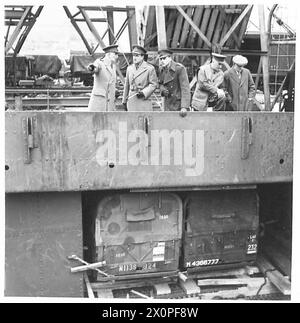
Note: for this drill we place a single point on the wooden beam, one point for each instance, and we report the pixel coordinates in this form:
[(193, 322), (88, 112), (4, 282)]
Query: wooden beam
[(235, 25), (88, 286), (244, 27), (196, 19), (17, 30), (208, 21), (161, 27), (170, 24), (265, 59), (185, 28), (176, 31), (228, 24), (190, 21), (281, 282)]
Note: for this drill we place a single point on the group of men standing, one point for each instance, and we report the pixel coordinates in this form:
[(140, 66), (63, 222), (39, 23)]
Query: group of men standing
[(215, 90)]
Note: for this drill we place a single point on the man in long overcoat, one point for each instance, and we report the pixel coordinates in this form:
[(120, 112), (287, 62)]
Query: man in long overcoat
[(173, 82), (140, 83), (104, 88), (239, 84), (208, 91)]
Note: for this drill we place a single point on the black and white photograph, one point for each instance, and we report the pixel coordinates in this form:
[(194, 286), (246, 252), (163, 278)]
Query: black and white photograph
[(149, 154)]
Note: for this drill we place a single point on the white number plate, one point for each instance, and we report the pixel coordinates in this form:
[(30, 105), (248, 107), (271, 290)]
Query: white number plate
[(203, 262), (133, 267), (252, 248)]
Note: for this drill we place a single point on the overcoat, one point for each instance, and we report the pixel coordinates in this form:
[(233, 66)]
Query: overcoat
[(143, 78), (208, 82), (175, 80), (240, 89), (103, 93)]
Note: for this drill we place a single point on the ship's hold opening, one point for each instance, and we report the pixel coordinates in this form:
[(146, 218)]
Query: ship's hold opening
[(151, 233)]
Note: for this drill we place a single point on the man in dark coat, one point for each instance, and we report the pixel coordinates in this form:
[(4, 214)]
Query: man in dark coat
[(239, 84), (140, 82), (173, 82), (104, 89)]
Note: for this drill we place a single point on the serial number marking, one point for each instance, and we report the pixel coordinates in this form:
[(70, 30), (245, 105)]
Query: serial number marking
[(252, 248), (133, 267), (203, 262)]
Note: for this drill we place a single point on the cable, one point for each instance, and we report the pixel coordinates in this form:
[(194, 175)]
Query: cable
[(265, 280)]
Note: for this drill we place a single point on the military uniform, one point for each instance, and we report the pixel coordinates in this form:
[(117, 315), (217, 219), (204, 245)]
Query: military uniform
[(174, 79), (103, 93), (142, 79), (207, 85)]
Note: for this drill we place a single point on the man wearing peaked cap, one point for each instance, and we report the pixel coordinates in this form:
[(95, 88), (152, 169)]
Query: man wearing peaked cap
[(209, 91), (173, 82), (104, 88), (239, 84), (140, 82), (111, 49)]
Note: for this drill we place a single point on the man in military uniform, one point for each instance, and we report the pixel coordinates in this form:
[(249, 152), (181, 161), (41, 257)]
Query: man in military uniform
[(140, 82), (173, 82), (239, 84), (209, 92), (104, 89)]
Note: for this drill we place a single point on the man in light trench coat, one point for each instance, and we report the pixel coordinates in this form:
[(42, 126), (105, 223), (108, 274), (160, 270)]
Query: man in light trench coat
[(104, 89), (140, 83)]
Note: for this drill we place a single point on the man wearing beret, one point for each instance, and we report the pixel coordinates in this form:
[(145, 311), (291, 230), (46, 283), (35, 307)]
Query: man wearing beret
[(104, 89), (140, 82), (209, 92), (173, 82), (239, 84)]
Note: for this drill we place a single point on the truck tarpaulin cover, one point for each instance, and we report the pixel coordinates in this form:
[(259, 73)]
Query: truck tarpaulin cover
[(47, 64), (79, 63)]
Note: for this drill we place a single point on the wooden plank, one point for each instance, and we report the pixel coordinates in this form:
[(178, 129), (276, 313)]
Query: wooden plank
[(161, 27), (235, 25), (88, 286), (104, 293), (170, 25), (176, 31), (162, 289), (185, 28), (204, 27), (190, 21), (197, 19), (281, 282), (219, 273), (228, 23), (230, 281), (212, 22), (265, 58), (189, 286), (244, 25), (219, 26)]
